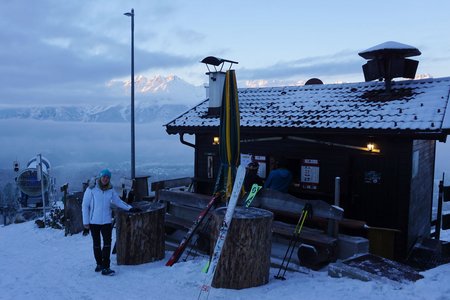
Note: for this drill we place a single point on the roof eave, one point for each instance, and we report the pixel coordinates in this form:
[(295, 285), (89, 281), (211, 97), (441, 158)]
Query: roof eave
[(440, 135)]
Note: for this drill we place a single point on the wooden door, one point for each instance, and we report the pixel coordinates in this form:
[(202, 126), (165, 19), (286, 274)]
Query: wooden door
[(369, 191)]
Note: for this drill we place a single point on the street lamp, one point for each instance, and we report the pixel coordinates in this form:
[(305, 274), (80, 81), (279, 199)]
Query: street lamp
[(133, 162)]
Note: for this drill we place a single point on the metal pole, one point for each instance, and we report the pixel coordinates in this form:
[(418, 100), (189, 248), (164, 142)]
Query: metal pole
[(133, 161), (333, 226), (337, 191), (42, 186)]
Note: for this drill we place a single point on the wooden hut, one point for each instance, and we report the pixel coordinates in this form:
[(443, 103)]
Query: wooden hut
[(381, 143)]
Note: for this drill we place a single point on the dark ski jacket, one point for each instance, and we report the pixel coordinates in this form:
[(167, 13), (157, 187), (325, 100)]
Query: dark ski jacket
[(279, 179)]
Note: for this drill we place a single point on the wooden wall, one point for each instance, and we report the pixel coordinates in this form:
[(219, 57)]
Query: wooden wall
[(398, 200)]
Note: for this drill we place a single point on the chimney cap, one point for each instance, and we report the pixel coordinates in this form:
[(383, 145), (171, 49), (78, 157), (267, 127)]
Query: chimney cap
[(216, 61), (390, 48)]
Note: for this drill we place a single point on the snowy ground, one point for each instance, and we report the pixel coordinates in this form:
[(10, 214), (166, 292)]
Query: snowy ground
[(44, 264)]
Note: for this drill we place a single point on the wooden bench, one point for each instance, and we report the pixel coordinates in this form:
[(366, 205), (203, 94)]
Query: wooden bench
[(315, 249), (179, 184)]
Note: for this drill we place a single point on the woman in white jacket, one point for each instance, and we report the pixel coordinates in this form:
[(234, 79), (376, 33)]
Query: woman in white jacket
[(97, 218)]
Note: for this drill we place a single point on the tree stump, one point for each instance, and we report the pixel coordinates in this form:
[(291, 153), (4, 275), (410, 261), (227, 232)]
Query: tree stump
[(140, 236), (245, 258)]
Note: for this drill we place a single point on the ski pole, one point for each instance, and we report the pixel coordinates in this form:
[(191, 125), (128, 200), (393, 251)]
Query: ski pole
[(291, 245), (293, 241), (296, 240), (194, 246)]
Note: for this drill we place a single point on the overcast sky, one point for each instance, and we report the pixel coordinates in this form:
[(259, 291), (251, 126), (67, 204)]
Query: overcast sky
[(66, 52)]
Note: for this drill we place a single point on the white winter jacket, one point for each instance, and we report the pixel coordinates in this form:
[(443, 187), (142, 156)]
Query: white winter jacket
[(96, 205)]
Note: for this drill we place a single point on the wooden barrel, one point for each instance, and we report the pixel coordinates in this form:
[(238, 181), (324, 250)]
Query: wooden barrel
[(140, 236), (245, 259)]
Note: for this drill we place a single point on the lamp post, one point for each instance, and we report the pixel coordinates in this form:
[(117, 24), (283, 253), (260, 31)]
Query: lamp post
[(133, 162)]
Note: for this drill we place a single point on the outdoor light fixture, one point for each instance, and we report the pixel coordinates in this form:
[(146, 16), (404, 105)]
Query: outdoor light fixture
[(133, 161), (371, 148), (216, 140)]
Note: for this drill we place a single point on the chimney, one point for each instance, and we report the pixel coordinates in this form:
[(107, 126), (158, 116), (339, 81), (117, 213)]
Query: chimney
[(206, 86), (216, 83), (387, 60)]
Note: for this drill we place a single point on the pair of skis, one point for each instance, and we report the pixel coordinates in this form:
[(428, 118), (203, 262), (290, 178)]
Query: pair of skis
[(307, 210), (188, 236), (193, 229), (223, 232), (212, 264)]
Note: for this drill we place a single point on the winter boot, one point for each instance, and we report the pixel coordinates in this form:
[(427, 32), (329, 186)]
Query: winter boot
[(108, 272)]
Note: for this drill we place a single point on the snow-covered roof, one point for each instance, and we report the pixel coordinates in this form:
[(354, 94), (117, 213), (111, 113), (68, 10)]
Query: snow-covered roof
[(421, 106)]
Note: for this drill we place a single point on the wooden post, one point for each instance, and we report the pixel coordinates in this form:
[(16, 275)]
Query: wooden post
[(245, 259), (437, 231), (140, 236), (73, 214)]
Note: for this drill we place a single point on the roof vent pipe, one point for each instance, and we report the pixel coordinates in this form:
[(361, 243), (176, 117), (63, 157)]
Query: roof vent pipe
[(387, 60), (216, 82)]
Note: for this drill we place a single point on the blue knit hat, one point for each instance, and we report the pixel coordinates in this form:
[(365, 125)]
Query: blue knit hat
[(105, 172)]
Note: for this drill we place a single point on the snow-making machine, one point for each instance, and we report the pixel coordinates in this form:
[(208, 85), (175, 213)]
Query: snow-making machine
[(32, 189)]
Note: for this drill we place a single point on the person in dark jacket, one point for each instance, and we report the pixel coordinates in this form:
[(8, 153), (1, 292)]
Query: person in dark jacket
[(97, 218), (251, 177), (280, 178)]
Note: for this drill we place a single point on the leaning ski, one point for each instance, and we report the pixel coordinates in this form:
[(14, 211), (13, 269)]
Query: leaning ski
[(253, 191), (240, 175), (188, 236)]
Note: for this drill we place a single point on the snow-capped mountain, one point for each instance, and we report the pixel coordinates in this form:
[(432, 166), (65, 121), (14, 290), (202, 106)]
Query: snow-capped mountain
[(161, 90), (156, 99), (114, 113)]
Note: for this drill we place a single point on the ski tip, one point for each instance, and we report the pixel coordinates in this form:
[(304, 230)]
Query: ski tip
[(206, 267), (280, 277), (170, 262)]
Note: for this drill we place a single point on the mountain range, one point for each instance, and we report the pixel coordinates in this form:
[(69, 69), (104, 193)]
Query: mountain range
[(156, 99)]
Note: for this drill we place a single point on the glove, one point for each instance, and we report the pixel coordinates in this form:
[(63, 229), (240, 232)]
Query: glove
[(85, 231), (134, 210)]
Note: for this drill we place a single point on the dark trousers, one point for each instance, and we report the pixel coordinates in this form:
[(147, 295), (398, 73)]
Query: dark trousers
[(102, 256)]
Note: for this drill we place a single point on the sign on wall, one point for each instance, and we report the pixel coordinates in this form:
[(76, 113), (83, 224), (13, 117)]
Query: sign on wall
[(373, 177), (210, 166), (309, 174)]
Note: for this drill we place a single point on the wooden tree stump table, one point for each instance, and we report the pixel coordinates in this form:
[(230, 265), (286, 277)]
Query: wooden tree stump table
[(140, 236), (72, 214), (245, 259)]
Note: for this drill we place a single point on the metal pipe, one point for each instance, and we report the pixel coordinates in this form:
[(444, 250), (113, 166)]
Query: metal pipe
[(337, 191), (333, 226), (42, 186), (184, 142), (262, 140), (332, 144)]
